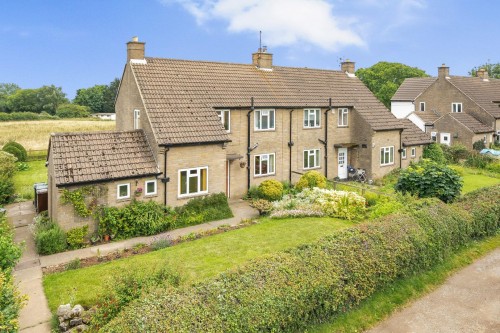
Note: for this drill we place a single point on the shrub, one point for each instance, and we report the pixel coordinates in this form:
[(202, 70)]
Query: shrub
[(385, 206), (494, 167), (311, 179), (253, 193), (161, 244), (271, 190), (11, 303), (434, 152), (125, 288), (7, 190), (76, 237), (68, 110), (455, 153), (17, 150), (9, 251), (209, 208), (428, 179), (478, 145), (480, 161), (262, 205), (286, 291), (73, 264), (49, 237)]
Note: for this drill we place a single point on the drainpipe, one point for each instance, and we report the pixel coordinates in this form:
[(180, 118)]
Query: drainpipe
[(401, 149), (290, 145), (248, 142), (165, 179), (326, 136)]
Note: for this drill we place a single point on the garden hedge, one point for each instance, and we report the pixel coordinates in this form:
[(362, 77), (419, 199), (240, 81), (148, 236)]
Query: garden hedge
[(287, 291)]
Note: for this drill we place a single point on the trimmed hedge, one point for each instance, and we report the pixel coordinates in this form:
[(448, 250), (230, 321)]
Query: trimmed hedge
[(288, 291)]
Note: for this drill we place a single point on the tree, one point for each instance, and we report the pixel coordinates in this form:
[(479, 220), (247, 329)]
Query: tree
[(434, 152), (46, 98), (99, 98), (493, 70), (72, 111), (6, 89), (384, 78)]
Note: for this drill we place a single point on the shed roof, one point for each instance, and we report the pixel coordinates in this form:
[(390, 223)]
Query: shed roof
[(413, 136), (100, 156), (471, 123)]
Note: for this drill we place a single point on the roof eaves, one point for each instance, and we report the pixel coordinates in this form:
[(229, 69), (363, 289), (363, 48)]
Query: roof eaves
[(106, 180)]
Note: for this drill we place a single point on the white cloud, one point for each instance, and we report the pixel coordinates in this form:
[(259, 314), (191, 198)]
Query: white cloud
[(282, 22)]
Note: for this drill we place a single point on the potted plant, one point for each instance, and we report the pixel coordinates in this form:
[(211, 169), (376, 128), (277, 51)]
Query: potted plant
[(138, 191)]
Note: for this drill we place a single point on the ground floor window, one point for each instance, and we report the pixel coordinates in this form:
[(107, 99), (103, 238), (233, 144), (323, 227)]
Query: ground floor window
[(150, 186), (413, 152), (311, 158), (387, 155), (123, 191), (403, 153), (193, 181), (264, 165)]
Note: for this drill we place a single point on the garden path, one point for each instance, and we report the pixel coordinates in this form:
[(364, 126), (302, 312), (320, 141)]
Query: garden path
[(35, 316)]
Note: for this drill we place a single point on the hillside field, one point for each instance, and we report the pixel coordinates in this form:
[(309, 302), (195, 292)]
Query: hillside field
[(34, 134)]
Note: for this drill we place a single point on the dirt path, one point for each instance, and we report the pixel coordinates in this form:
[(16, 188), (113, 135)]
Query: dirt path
[(469, 301)]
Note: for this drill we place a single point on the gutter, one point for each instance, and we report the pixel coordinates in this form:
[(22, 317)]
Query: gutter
[(98, 181)]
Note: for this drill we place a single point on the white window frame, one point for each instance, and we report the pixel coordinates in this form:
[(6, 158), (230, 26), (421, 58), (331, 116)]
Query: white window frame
[(146, 187), (264, 157), (447, 142), (188, 175), (259, 114), (434, 136), (343, 122), (455, 107), (314, 116), (222, 116), (422, 107), (413, 152), (118, 191), (403, 154), (316, 160), (386, 150), (137, 118)]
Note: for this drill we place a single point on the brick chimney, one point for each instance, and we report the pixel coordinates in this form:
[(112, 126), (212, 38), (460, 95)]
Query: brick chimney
[(262, 60), (347, 66), (443, 71), (135, 49), (483, 74)]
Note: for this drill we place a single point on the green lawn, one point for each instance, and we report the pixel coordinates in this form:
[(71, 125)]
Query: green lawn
[(396, 295), (194, 261), (473, 182), (24, 180)]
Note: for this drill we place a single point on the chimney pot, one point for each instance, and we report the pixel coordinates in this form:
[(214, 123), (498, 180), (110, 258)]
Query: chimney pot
[(135, 49), (348, 66)]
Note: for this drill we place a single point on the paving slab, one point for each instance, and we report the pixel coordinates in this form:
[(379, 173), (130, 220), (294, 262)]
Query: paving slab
[(468, 302)]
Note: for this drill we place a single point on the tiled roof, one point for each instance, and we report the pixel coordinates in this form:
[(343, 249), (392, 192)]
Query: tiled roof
[(99, 156), (180, 95), (412, 135), (428, 117), (411, 88), (484, 93), (471, 123)]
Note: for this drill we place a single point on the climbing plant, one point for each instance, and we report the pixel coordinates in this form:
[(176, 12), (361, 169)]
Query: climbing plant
[(78, 199)]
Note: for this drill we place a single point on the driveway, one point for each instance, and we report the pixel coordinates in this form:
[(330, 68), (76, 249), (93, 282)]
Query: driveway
[(469, 301)]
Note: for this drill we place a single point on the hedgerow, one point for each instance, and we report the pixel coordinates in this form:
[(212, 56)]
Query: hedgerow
[(289, 290)]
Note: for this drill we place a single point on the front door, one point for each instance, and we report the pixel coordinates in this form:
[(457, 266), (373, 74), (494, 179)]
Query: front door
[(342, 159)]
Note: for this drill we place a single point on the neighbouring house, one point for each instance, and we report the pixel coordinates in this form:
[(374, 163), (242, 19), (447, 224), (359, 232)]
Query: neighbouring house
[(209, 127), (452, 109), (104, 115)]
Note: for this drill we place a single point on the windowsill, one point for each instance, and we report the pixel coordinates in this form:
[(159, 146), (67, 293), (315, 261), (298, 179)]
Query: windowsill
[(386, 165), (403, 158), (150, 195), (264, 130), (413, 156), (314, 168), (123, 199), (266, 175), (343, 126), (192, 195), (311, 128)]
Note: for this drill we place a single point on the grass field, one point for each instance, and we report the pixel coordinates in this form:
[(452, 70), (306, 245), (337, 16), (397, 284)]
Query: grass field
[(24, 180), (34, 135), (194, 261)]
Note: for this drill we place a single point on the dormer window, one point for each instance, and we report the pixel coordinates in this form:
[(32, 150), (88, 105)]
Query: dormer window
[(456, 107), (422, 106), (225, 119)]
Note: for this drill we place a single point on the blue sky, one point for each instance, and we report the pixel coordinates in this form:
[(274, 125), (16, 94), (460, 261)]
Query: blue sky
[(79, 43)]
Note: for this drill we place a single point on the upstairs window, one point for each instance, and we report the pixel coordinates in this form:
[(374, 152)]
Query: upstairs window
[(343, 117), (193, 181), (225, 119), (137, 119), (311, 118), (422, 106), (264, 165), (264, 120), (387, 155), (456, 107), (311, 158)]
